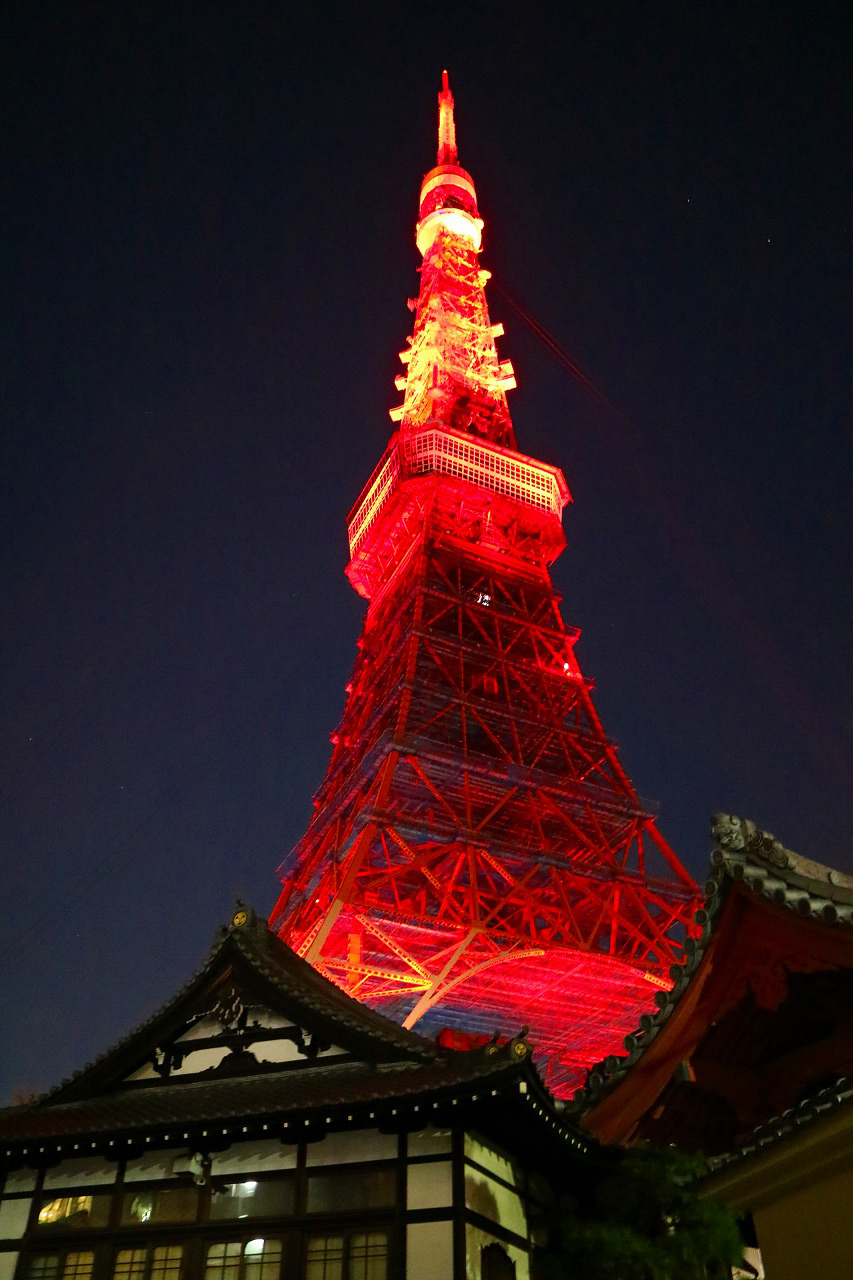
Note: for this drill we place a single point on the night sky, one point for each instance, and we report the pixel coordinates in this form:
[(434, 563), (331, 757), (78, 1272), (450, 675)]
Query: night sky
[(207, 229)]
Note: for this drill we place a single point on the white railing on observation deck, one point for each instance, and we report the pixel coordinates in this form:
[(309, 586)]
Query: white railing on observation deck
[(442, 451)]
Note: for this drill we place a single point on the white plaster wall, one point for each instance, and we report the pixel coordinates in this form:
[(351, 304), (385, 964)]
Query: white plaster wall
[(200, 1030), (152, 1164), (196, 1060), (200, 1060), (87, 1171), (20, 1180), (346, 1148), (285, 1051), (429, 1186), (429, 1251), (490, 1159), (8, 1262), (245, 1158), (492, 1200), (14, 1215), (430, 1142), (475, 1239), (266, 1018)]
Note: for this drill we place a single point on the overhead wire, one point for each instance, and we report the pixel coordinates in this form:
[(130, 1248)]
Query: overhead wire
[(701, 564)]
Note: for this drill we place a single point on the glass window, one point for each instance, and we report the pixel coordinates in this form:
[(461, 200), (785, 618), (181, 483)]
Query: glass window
[(56, 1266), (324, 1258), (75, 1211), (78, 1266), (160, 1262), (172, 1204), (359, 1256), (256, 1260), (262, 1260), (355, 1189), (223, 1261), (130, 1264), (368, 1256), (166, 1262), (45, 1266), (272, 1198)]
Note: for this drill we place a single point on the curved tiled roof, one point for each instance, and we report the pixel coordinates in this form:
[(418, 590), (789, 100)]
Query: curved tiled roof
[(273, 1096), (805, 1113), (248, 938), (744, 853)]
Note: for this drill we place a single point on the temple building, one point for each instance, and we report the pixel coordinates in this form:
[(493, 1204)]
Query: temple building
[(749, 1058), (263, 1125)]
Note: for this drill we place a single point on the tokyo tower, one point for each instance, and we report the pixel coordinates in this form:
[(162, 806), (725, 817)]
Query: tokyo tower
[(477, 858)]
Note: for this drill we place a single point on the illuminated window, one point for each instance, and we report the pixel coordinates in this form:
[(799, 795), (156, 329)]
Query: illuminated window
[(361, 1255), (173, 1204), (235, 1260), (262, 1260), (75, 1211), (368, 1256), (44, 1267), (272, 1198), (74, 1265), (158, 1262), (324, 1258), (223, 1261)]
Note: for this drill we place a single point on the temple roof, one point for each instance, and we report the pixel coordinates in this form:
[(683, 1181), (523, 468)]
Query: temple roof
[(325, 1088), (816, 1107), (259, 1042), (759, 1012)]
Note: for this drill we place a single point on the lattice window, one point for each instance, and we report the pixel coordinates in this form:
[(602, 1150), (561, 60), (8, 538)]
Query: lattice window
[(73, 1265), (234, 1260), (324, 1258), (223, 1261), (154, 1262), (368, 1256), (44, 1267), (360, 1255)]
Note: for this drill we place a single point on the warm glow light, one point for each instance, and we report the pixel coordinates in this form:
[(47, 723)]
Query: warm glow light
[(67, 1207), (455, 221)]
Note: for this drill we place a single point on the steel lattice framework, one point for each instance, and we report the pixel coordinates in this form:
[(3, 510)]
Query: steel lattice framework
[(477, 857)]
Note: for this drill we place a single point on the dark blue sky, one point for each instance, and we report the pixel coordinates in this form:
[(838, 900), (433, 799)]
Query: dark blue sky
[(207, 223)]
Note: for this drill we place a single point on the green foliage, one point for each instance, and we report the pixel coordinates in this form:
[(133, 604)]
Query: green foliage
[(647, 1223)]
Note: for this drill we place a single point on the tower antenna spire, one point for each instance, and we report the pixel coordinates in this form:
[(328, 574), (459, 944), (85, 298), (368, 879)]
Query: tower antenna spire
[(447, 152)]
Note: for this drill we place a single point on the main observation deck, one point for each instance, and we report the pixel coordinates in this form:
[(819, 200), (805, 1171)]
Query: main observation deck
[(533, 489)]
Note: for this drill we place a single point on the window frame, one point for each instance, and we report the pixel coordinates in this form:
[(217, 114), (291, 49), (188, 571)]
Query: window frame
[(62, 1253), (347, 1234), (149, 1248)]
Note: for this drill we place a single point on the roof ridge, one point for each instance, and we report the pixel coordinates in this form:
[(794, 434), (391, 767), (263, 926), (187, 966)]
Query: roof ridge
[(252, 938)]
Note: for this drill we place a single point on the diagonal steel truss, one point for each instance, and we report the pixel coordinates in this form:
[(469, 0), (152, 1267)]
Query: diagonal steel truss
[(477, 858)]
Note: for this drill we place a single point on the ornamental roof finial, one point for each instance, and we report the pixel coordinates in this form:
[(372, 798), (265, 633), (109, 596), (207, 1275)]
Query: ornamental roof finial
[(447, 153)]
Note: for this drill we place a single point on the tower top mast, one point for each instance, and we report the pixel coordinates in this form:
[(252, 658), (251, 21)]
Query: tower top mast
[(448, 200), (447, 151)]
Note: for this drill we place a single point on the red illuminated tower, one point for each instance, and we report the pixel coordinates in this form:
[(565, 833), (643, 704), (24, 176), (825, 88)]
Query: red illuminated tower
[(477, 857)]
